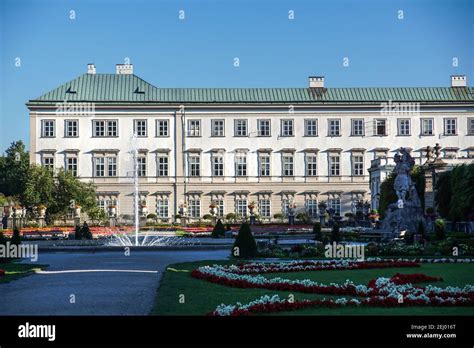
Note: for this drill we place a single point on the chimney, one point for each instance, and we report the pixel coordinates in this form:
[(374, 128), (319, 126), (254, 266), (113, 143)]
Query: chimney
[(91, 69), (458, 81), (316, 81), (124, 69)]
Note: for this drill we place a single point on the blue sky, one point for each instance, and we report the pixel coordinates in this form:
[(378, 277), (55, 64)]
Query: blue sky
[(199, 51)]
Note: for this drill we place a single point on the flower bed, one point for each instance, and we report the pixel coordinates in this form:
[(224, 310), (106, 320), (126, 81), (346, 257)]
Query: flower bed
[(387, 292)]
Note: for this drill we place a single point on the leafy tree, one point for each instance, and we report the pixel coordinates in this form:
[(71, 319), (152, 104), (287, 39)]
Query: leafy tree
[(39, 187), (317, 231), (219, 230), (336, 233), (14, 170), (244, 243)]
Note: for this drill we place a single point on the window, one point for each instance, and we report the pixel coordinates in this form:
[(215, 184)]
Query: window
[(404, 126), (217, 165), (312, 207), (194, 128), (240, 128), (311, 128), (470, 126), (99, 167), (112, 166), (139, 127), (264, 166), (285, 206), (71, 165), (381, 127), (104, 204), (264, 128), (334, 165), (335, 204), (48, 162), (141, 166), (241, 207), (357, 127), (162, 208), (287, 165), (241, 165), (287, 128), (450, 126), (358, 165), (71, 128), (334, 128), (264, 208), (220, 207), (103, 128), (162, 128), (217, 128), (194, 165), (47, 130), (427, 126), (311, 165), (195, 207), (162, 165)]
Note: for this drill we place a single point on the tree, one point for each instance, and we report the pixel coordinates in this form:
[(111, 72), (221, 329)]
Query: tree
[(39, 187), (335, 233), (219, 230), (317, 231), (14, 168), (244, 245)]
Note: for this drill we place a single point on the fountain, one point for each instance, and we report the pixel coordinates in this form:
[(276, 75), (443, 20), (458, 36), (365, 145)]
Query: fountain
[(148, 238)]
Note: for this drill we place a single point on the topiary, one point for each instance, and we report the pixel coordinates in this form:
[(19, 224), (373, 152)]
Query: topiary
[(421, 229), (335, 233), (16, 238), (440, 230), (219, 230), (77, 233), (317, 231), (86, 231), (244, 245)]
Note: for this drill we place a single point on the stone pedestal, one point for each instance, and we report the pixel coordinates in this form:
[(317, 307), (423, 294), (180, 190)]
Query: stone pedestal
[(41, 222), (291, 220), (252, 219), (142, 221), (112, 221)]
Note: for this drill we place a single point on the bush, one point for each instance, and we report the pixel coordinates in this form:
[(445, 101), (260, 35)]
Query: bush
[(335, 233), (245, 243), (151, 216), (317, 232), (85, 231), (16, 238), (440, 230), (219, 230)]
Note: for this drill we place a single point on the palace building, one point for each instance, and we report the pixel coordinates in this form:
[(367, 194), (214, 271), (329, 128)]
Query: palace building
[(233, 146)]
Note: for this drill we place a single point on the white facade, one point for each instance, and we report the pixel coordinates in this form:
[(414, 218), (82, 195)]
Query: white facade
[(217, 152)]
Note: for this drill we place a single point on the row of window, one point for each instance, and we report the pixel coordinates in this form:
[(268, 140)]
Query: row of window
[(106, 166), (240, 209), (109, 128)]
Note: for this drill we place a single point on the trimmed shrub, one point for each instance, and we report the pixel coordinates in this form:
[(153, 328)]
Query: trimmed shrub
[(440, 230), (421, 229), (85, 231), (219, 230), (16, 238), (335, 233), (244, 246), (317, 232), (77, 233)]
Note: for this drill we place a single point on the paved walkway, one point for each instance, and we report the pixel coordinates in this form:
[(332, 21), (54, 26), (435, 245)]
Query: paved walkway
[(107, 283)]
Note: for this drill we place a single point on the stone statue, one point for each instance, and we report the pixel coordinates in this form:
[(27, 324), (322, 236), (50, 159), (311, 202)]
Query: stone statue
[(406, 213), (403, 182)]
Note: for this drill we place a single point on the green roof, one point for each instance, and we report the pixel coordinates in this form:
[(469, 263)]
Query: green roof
[(113, 88)]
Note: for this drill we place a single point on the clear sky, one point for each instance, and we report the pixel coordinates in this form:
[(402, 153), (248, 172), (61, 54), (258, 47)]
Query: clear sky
[(384, 47)]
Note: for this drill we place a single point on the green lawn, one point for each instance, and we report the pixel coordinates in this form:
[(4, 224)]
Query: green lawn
[(15, 270), (202, 297)]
